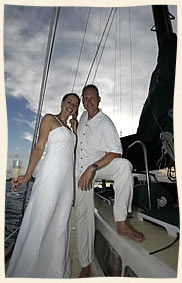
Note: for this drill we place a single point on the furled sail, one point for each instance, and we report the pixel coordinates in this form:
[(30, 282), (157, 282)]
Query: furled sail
[(156, 113)]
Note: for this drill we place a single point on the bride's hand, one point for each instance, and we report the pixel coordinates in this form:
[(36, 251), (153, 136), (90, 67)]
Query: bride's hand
[(15, 182), (74, 124)]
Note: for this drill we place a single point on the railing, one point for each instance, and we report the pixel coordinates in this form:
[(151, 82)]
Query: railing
[(146, 168)]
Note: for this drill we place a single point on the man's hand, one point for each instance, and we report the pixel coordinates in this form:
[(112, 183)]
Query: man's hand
[(85, 181)]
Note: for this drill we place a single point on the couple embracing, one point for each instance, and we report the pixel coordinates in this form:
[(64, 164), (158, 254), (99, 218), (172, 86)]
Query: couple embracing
[(42, 246)]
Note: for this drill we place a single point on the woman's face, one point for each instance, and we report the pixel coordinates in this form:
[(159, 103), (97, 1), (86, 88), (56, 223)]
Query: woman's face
[(70, 105)]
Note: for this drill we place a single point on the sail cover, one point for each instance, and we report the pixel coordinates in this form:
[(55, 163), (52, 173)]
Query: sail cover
[(156, 113)]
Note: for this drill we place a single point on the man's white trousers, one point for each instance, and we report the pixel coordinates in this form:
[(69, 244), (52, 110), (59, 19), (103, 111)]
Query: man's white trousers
[(119, 170)]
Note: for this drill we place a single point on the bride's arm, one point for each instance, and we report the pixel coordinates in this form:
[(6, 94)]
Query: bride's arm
[(74, 122), (36, 153)]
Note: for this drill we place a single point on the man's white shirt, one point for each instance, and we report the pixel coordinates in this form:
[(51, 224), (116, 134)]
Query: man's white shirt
[(96, 137)]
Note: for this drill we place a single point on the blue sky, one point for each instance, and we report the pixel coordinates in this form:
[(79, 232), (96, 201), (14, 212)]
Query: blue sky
[(123, 75)]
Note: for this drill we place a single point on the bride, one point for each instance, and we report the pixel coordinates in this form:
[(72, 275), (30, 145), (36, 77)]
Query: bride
[(42, 246)]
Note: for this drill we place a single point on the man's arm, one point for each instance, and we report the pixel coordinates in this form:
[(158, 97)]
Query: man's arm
[(86, 177)]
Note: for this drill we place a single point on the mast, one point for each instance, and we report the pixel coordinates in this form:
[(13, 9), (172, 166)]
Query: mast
[(162, 19)]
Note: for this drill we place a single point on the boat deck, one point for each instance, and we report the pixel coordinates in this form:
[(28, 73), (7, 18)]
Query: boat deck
[(156, 237)]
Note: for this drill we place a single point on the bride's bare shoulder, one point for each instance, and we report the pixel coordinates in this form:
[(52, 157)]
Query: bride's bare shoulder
[(48, 120), (48, 117)]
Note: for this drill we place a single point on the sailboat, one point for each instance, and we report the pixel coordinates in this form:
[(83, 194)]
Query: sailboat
[(156, 210), (157, 257)]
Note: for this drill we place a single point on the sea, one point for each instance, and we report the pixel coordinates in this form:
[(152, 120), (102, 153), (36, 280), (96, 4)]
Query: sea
[(13, 210)]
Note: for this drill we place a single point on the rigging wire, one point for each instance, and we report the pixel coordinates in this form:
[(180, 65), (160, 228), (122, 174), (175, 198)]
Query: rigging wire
[(131, 66), (51, 37), (83, 40), (120, 93), (104, 44), (167, 140), (49, 49), (9, 236), (50, 44), (115, 55), (99, 31), (99, 45)]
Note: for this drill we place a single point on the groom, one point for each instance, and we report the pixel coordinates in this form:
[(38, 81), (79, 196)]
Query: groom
[(98, 155)]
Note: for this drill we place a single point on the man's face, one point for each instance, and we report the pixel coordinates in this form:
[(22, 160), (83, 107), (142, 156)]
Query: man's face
[(90, 100)]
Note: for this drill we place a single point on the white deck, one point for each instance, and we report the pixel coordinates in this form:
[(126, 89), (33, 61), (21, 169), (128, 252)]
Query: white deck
[(156, 236)]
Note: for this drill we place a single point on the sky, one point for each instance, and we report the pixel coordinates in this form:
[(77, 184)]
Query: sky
[(123, 75)]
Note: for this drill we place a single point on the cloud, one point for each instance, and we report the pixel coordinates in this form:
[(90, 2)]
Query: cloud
[(27, 136), (21, 120), (25, 40)]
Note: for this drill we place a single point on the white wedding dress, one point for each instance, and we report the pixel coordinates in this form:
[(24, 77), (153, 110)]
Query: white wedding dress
[(42, 246)]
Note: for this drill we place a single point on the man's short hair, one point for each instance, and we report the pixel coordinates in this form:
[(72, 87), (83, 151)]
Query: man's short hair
[(90, 86)]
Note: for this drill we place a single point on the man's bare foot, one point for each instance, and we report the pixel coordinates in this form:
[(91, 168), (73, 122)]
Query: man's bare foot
[(124, 229), (85, 272)]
